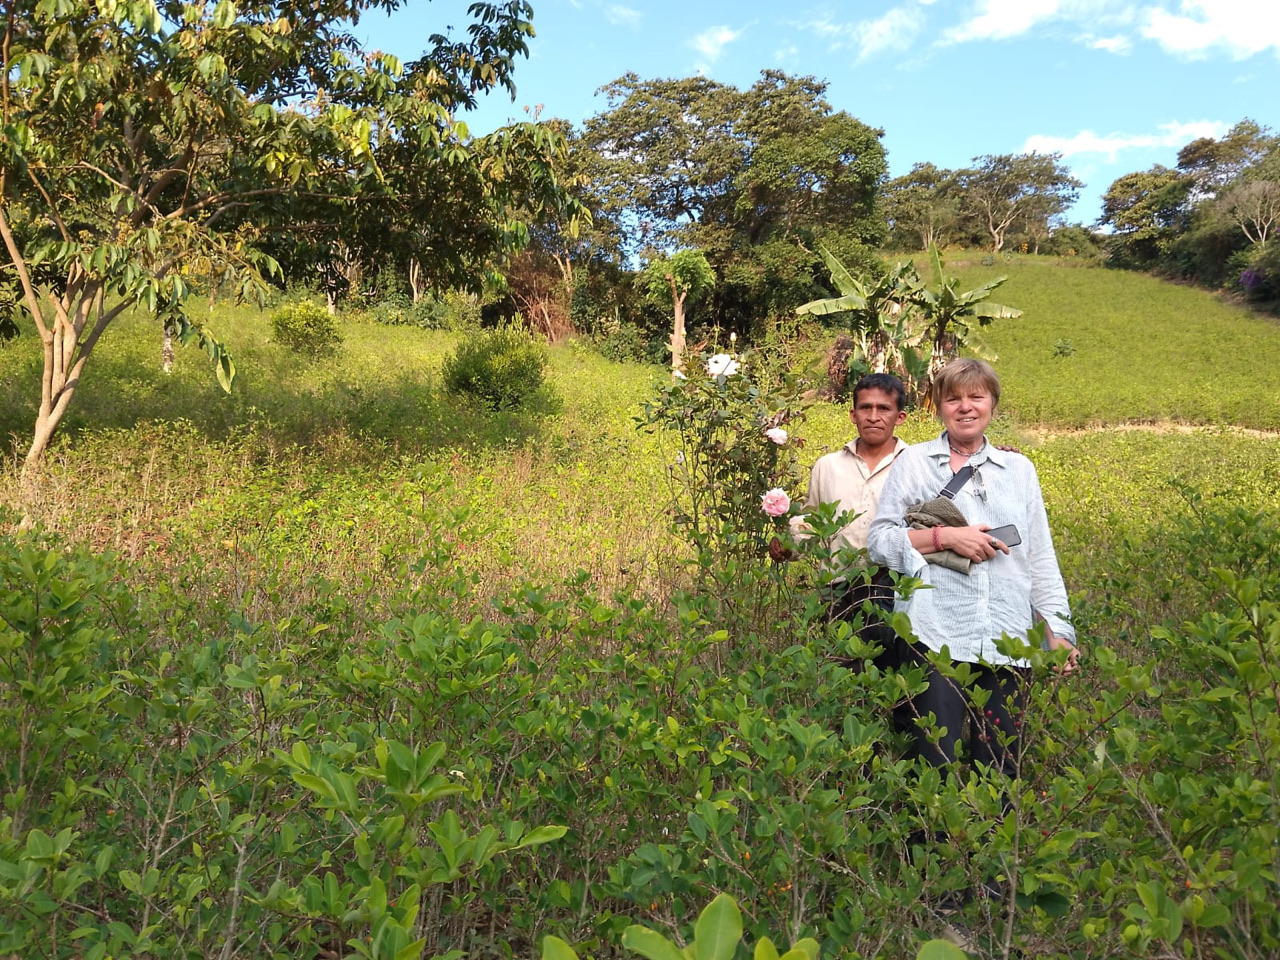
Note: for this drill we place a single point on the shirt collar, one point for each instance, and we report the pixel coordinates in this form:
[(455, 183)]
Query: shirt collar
[(898, 446), (938, 447)]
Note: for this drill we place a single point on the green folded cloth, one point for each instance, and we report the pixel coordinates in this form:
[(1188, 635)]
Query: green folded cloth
[(940, 512)]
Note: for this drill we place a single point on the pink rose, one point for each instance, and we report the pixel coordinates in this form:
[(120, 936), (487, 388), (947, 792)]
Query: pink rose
[(776, 502), (777, 435)]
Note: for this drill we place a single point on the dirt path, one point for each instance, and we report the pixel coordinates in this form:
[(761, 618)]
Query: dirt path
[(1038, 434)]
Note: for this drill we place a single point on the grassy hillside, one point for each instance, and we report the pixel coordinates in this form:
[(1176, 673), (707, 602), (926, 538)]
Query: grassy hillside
[(1141, 349), (316, 465)]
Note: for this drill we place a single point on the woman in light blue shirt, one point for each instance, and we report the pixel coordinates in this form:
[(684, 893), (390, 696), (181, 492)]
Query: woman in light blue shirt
[(1007, 588)]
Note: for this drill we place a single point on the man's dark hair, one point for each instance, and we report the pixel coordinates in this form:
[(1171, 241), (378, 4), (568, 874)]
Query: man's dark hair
[(882, 381)]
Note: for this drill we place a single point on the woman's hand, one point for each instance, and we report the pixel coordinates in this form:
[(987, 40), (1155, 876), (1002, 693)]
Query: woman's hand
[(1073, 657), (971, 542)]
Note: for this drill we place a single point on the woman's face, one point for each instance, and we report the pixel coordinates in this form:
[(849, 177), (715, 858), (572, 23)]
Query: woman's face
[(965, 412)]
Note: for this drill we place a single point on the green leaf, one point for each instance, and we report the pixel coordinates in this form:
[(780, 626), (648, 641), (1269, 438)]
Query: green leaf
[(1215, 915), (840, 274), (553, 948), (224, 14), (822, 308), (765, 950), (310, 781), (940, 950), (1054, 904), (649, 943), (541, 835), (718, 930), (412, 951), (130, 881)]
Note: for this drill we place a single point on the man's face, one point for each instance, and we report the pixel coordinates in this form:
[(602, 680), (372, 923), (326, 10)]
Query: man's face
[(875, 414)]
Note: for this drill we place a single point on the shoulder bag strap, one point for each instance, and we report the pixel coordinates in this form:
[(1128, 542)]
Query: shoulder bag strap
[(958, 480)]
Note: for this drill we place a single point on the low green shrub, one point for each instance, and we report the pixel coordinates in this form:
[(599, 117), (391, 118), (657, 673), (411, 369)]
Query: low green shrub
[(626, 343), (306, 327), (451, 311), (504, 368)]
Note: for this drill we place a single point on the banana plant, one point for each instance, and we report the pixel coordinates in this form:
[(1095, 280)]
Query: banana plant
[(949, 314), (879, 312)]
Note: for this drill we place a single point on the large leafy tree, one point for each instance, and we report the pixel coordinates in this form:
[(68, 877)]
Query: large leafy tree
[(754, 178), (152, 146), (1000, 191), (1146, 209), (923, 206), (1212, 164)]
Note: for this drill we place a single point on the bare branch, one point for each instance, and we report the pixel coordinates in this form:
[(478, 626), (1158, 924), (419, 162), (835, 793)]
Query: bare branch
[(164, 178), (108, 177), (24, 277), (10, 13), (53, 207)]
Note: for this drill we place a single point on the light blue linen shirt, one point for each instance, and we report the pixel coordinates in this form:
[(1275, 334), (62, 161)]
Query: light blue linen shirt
[(1002, 595)]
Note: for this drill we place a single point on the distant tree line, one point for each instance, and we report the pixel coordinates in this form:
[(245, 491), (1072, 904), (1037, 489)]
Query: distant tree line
[(1211, 219)]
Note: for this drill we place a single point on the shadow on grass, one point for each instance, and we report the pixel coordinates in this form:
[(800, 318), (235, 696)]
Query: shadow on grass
[(397, 407)]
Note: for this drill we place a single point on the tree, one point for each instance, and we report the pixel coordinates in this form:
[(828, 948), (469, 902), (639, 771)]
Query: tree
[(684, 277), (1254, 206), (1213, 164), (1000, 190), (147, 150), (903, 326), (754, 178), (1147, 210), (665, 153), (949, 313), (922, 206), (878, 311)]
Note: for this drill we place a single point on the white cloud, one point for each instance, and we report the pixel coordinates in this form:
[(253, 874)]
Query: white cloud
[(1116, 44), (1240, 28), (788, 53), (1087, 142), (1002, 19), (1192, 29), (893, 31), (712, 41), (621, 16)]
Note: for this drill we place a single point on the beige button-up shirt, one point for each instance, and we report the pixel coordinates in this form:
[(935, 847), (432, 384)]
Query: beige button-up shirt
[(843, 477)]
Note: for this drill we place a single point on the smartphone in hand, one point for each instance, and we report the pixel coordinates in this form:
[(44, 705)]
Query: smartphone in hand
[(1008, 535)]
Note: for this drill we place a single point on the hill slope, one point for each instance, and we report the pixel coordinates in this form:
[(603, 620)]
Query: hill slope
[(1143, 349)]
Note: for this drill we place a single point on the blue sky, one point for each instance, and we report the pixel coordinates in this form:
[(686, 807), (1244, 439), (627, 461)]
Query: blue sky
[(1114, 86)]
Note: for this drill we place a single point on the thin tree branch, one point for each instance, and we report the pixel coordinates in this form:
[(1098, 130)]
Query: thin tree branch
[(10, 12), (24, 278), (164, 178), (53, 207)]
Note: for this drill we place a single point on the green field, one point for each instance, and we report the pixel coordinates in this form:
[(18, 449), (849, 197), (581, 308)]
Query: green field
[(246, 619), (1144, 349)]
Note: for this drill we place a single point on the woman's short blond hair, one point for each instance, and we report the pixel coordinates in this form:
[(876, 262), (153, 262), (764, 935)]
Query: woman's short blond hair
[(963, 374)]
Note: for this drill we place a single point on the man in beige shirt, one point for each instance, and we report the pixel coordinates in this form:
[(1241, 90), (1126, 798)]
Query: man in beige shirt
[(853, 477)]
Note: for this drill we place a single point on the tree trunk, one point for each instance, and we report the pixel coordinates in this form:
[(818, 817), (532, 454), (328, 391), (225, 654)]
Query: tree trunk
[(166, 350), (677, 330), (417, 285), (58, 383)]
